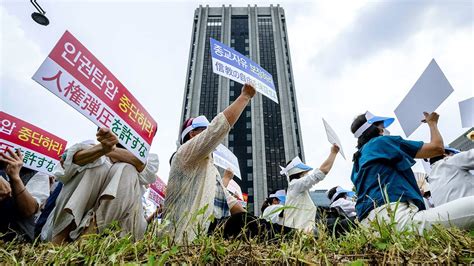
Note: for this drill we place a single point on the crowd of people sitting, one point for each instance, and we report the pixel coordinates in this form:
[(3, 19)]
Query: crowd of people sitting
[(96, 184)]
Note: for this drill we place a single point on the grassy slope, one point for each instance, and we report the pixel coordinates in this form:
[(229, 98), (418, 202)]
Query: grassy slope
[(381, 244)]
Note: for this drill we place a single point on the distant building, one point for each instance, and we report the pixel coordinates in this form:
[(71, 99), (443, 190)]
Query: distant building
[(320, 198), (267, 134), (463, 143)]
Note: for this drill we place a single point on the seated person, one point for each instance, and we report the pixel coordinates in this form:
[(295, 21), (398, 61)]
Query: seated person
[(386, 187), (301, 211), (274, 211), (194, 179), (451, 177), (102, 183), (342, 198), (22, 192)]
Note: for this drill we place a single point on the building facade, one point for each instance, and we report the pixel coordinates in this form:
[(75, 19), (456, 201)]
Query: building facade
[(267, 134), (463, 142)]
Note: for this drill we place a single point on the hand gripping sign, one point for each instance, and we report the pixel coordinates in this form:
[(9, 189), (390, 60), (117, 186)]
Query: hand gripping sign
[(233, 65), (41, 150), (77, 77)]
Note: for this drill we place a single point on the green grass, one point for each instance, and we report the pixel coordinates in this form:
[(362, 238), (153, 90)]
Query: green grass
[(378, 244)]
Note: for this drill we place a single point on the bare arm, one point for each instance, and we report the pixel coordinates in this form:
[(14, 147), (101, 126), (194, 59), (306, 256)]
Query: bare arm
[(107, 141), (228, 175), (327, 165), (122, 155), (436, 146), (203, 144), (233, 111), (27, 205), (237, 208)]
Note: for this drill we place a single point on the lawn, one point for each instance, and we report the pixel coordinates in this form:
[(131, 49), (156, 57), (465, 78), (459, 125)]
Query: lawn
[(378, 244)]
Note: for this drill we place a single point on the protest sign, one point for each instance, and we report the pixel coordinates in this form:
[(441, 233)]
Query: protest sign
[(224, 158), (429, 91), (233, 65), (333, 138), (41, 150), (77, 77), (157, 191), (466, 108)]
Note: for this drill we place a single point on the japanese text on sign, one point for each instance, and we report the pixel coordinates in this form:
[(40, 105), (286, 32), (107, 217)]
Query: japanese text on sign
[(75, 75), (231, 64), (41, 150)]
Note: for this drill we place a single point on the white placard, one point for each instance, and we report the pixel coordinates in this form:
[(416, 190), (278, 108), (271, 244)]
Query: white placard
[(429, 91), (224, 158), (466, 108), (333, 138)]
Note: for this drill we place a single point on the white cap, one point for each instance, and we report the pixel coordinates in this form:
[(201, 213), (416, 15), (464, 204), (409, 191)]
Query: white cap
[(200, 121)]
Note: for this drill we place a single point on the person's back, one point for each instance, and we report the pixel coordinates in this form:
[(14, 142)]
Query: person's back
[(272, 214), (450, 178), (386, 161)]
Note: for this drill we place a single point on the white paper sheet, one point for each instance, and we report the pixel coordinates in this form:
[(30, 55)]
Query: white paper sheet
[(429, 91), (333, 138), (466, 108), (224, 158)]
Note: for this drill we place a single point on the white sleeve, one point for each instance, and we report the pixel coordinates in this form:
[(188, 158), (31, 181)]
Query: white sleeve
[(464, 160), (148, 175), (308, 181), (38, 187), (70, 169), (346, 205), (202, 145), (231, 200)]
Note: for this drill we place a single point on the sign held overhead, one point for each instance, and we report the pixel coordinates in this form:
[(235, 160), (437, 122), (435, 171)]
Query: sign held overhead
[(429, 91)]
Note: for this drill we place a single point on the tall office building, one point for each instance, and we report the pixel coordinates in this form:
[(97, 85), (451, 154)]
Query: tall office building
[(267, 134)]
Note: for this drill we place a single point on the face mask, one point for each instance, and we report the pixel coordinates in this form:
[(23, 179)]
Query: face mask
[(385, 132)]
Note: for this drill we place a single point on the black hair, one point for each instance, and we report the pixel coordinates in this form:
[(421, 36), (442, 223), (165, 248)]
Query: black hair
[(172, 156), (294, 176), (372, 132), (437, 158), (264, 206), (333, 191)]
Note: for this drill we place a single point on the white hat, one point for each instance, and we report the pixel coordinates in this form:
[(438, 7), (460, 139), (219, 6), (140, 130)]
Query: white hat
[(200, 121), (339, 191), (371, 118), (294, 167)]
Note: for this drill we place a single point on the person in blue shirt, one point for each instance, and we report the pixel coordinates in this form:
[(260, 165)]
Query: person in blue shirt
[(385, 183)]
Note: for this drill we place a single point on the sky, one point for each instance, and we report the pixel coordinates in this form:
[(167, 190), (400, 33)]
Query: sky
[(348, 57)]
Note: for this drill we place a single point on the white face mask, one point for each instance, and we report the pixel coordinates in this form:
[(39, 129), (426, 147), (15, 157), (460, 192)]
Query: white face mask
[(385, 132)]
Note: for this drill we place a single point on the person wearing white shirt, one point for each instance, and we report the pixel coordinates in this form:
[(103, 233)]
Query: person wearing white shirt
[(103, 183), (272, 212), (341, 198), (301, 211), (451, 177)]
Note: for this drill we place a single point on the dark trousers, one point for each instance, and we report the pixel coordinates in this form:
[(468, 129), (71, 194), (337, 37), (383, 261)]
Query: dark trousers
[(7, 219), (244, 224)]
